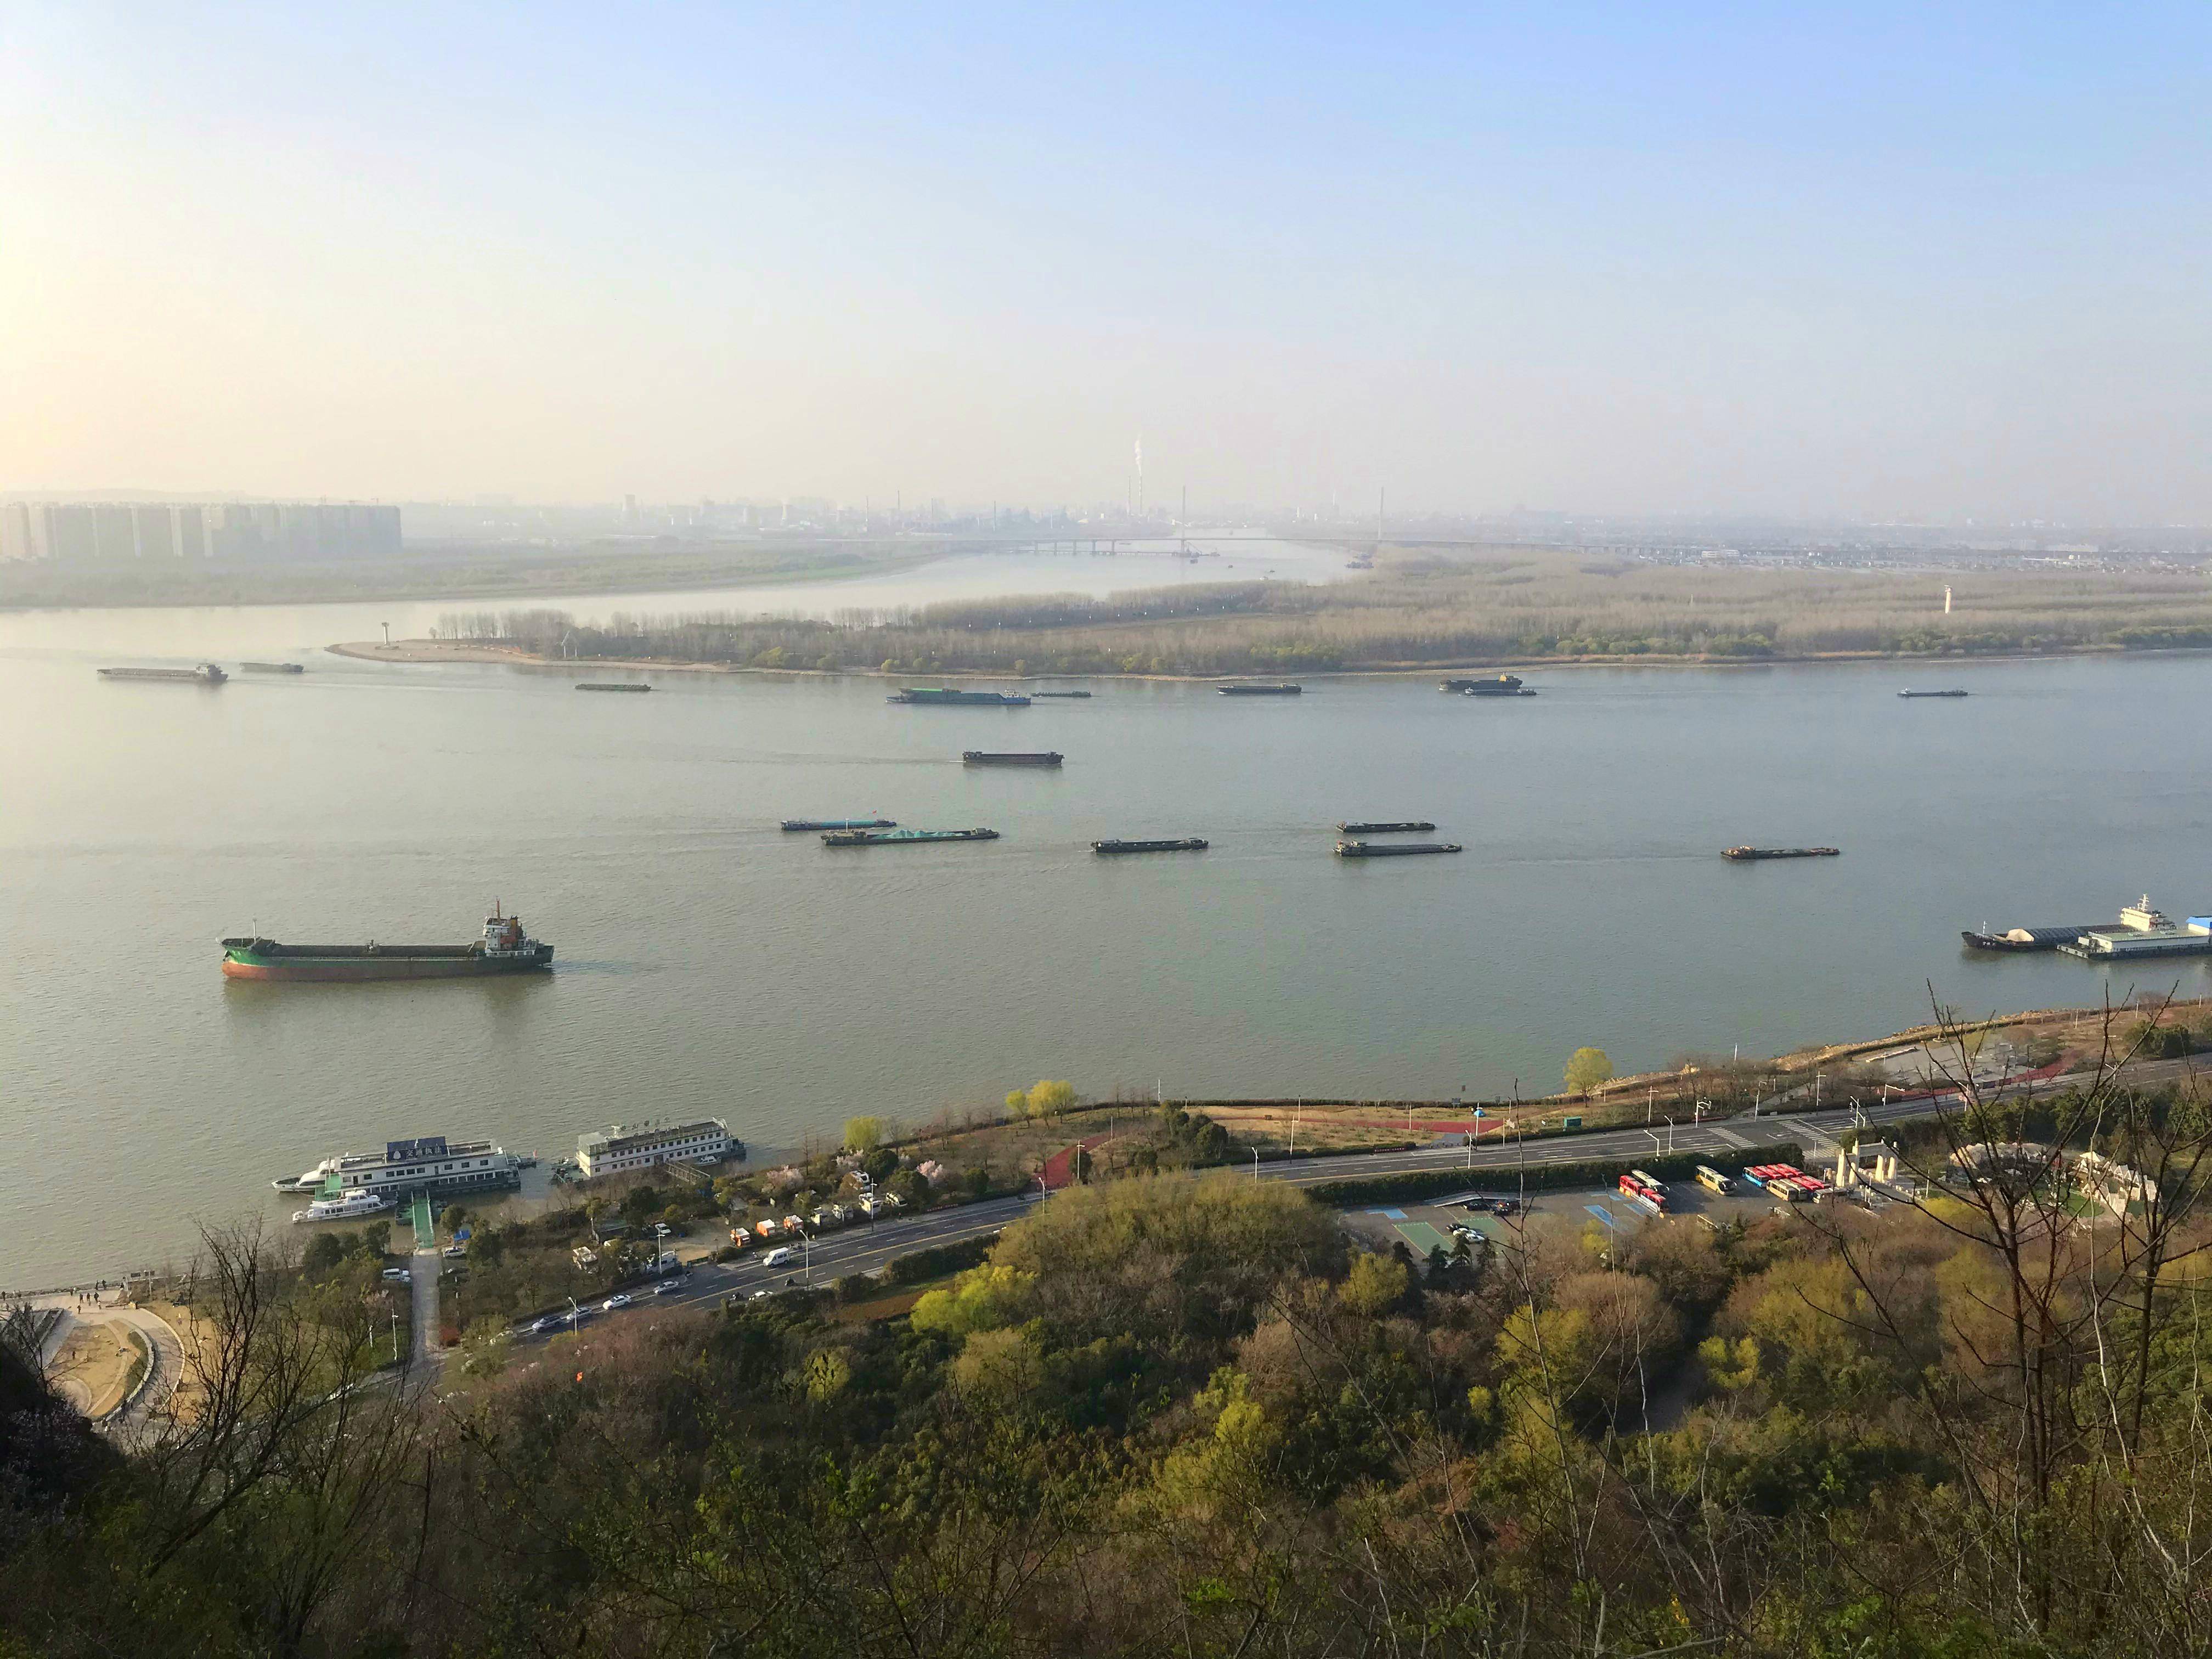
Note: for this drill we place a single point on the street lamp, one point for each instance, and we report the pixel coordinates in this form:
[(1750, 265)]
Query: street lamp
[(575, 1314), (1255, 1164)]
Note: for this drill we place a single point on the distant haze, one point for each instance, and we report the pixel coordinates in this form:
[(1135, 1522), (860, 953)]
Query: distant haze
[(1888, 264)]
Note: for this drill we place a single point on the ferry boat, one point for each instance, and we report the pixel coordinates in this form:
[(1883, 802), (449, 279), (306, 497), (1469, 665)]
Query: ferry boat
[(404, 1168), (349, 1206), (504, 949)]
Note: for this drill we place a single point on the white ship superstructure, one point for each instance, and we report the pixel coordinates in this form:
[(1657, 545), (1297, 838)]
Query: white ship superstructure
[(432, 1164), (353, 1206), (618, 1149)]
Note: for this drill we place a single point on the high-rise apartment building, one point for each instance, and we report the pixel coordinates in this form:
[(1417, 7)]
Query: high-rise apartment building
[(99, 532)]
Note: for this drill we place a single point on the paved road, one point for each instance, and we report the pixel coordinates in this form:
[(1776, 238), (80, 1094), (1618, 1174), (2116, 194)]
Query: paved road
[(422, 1323), (1489, 1168)]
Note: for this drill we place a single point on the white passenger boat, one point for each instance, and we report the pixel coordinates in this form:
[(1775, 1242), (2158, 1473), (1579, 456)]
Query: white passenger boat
[(353, 1206), (404, 1168)]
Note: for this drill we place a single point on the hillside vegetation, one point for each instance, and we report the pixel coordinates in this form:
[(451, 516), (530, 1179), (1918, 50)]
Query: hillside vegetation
[(1530, 607), (1186, 1415)]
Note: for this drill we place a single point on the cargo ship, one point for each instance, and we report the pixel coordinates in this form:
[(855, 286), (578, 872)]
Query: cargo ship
[(1931, 694), (1407, 828), (404, 1169), (1260, 691), (272, 668), (1114, 848), (902, 837), (940, 694), (986, 758), (1748, 854), (504, 949), (1487, 685), (206, 674), (2025, 938), (2143, 931), (1364, 849), (612, 686), (790, 824)]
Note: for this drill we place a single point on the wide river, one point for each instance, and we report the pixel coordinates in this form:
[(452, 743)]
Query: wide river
[(709, 965)]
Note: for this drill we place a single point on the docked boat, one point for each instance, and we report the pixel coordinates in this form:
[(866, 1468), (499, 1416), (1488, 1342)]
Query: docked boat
[(942, 695), (504, 949), (1114, 848), (2023, 939), (206, 674), (1487, 685), (791, 824), (406, 1169), (612, 686), (2144, 931), (272, 668), (1260, 691), (1751, 854), (355, 1206), (1931, 694), (902, 837), (1393, 849), (987, 757), (1407, 828)]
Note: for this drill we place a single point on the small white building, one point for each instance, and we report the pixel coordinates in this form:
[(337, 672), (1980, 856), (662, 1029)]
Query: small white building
[(617, 1149)]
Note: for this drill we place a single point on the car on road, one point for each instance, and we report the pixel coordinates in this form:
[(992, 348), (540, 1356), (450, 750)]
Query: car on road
[(668, 1287), (777, 1258), (549, 1323), (619, 1299), (397, 1275)]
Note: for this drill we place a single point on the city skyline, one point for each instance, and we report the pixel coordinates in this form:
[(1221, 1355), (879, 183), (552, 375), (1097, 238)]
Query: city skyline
[(1886, 267)]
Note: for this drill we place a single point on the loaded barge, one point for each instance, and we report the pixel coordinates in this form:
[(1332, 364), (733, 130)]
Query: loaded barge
[(1059, 694), (2023, 939), (206, 674), (790, 824), (1405, 828), (939, 695), (1112, 848), (987, 757), (1487, 685), (1260, 691), (273, 667), (1931, 694), (504, 949), (902, 837), (1364, 849), (1749, 855), (612, 686)]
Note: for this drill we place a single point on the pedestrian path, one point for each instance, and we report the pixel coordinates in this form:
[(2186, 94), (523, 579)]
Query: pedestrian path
[(426, 1231)]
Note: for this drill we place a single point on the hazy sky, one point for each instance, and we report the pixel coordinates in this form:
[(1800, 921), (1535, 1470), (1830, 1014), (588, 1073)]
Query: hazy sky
[(1893, 260)]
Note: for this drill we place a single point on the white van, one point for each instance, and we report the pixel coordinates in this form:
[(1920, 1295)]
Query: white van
[(777, 1258)]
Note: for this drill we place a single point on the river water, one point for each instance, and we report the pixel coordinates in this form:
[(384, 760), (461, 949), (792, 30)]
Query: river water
[(709, 965)]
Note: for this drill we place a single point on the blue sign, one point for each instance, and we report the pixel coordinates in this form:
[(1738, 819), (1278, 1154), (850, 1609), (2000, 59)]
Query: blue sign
[(461, 1234), (1479, 1112), (399, 1151)]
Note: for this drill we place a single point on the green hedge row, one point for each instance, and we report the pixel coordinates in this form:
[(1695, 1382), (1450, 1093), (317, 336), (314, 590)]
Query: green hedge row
[(1540, 1177), (937, 1261)]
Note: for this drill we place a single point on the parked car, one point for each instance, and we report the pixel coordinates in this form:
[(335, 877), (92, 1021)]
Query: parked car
[(741, 1237), (619, 1299), (777, 1257), (397, 1275)]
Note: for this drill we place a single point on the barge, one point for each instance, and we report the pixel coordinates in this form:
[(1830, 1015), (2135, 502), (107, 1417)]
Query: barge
[(1749, 855), (902, 837), (939, 695), (2023, 939), (1402, 849), (791, 824), (1260, 691), (1487, 685), (988, 758), (206, 674), (611, 685), (272, 667), (1059, 694), (1931, 694), (1405, 828), (504, 949), (1114, 848)]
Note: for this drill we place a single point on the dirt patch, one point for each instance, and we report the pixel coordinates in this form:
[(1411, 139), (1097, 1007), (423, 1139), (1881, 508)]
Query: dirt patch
[(97, 1364)]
